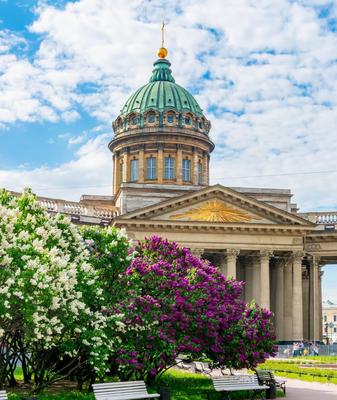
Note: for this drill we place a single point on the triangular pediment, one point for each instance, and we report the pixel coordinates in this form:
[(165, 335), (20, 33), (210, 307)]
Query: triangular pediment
[(219, 205), (213, 209)]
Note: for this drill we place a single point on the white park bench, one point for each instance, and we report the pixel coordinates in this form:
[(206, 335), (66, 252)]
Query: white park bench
[(122, 391), (202, 368), (3, 395), (234, 383)]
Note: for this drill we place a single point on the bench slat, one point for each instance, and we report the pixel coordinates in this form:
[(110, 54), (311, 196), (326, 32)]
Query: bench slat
[(233, 383), (119, 396), (121, 388), (120, 384), (115, 397), (122, 391)]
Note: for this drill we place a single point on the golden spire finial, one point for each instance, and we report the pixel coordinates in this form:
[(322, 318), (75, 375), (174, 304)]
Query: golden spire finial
[(162, 52), (162, 33)]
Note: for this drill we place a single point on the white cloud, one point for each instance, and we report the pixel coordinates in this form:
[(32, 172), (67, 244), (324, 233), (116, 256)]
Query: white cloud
[(269, 90), (77, 140), (73, 140), (89, 173)]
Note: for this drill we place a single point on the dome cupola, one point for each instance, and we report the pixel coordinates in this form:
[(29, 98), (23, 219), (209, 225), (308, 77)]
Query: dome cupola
[(161, 102), (161, 140)]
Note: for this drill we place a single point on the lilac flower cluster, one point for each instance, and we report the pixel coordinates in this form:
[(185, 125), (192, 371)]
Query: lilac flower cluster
[(177, 303)]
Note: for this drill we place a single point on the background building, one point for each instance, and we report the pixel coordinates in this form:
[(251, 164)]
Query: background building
[(329, 321)]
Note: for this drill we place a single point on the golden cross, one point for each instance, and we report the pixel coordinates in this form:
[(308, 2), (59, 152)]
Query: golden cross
[(162, 33)]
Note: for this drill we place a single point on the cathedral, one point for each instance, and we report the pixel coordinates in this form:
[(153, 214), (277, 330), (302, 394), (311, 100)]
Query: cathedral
[(161, 151)]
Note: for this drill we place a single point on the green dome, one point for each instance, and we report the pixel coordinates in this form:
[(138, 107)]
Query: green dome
[(161, 93)]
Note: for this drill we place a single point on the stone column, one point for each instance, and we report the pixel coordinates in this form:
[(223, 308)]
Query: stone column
[(279, 303), (197, 252), (232, 255), (114, 174), (118, 170), (160, 164), (306, 303), (288, 300), (297, 305), (320, 313), (249, 269), (205, 172), (314, 306), (125, 166), (195, 166), (207, 176), (256, 279), (141, 165), (179, 165), (221, 261), (264, 278)]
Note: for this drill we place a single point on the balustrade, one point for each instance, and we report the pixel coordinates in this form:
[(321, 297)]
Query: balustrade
[(75, 208), (321, 218)]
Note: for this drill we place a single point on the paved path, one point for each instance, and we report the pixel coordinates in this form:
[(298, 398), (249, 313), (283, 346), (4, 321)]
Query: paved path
[(301, 390)]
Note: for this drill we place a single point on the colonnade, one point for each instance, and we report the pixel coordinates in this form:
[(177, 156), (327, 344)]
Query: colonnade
[(288, 283)]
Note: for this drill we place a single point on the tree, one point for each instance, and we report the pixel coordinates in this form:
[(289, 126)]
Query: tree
[(50, 296), (177, 303), (109, 254)]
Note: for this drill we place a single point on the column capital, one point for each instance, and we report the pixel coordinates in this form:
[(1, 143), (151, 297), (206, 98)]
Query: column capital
[(197, 252), (232, 253), (265, 254), (297, 256), (281, 262)]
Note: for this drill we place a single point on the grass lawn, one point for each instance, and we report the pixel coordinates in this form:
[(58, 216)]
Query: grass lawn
[(183, 385), (291, 368)]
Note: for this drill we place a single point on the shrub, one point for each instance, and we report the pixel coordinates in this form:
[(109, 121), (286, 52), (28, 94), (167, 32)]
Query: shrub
[(177, 303)]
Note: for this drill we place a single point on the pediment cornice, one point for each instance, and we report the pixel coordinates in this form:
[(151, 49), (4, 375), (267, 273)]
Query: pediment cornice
[(214, 227), (230, 196)]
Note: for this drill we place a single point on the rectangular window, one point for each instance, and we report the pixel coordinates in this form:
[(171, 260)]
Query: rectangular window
[(335, 330), (334, 318), (134, 170), (186, 170), (169, 168), (325, 318), (199, 173), (151, 168)]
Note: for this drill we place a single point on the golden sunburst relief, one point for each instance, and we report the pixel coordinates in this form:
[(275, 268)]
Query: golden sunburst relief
[(214, 211)]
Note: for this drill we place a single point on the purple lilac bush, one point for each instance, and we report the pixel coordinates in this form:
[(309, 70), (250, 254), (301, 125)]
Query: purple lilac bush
[(177, 303)]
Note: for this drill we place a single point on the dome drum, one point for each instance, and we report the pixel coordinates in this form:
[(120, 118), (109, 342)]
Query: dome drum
[(161, 163)]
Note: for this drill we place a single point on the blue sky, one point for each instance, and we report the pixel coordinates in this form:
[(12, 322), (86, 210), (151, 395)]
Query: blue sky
[(266, 76)]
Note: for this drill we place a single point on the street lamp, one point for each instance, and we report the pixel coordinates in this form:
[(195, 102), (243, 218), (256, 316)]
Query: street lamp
[(331, 326)]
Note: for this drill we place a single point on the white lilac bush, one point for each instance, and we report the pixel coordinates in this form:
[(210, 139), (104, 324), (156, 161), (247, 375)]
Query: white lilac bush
[(51, 300)]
